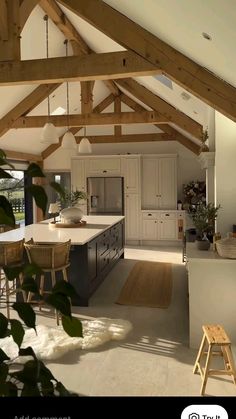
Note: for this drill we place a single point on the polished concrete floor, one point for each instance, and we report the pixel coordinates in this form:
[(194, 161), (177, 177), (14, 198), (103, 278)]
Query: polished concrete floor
[(154, 359)]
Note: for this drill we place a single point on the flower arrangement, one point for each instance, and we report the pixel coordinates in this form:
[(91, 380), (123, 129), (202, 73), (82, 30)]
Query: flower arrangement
[(195, 191)]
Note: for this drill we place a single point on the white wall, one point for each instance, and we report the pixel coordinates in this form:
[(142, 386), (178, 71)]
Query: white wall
[(188, 166), (225, 172)]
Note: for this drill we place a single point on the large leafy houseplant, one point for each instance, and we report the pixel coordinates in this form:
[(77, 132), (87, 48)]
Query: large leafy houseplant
[(33, 378), (204, 219)]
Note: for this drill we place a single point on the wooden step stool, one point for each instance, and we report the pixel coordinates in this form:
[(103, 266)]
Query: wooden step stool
[(216, 338)]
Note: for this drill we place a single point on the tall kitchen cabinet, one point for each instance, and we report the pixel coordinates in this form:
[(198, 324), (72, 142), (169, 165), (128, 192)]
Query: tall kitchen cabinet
[(159, 182), (78, 179), (132, 196)]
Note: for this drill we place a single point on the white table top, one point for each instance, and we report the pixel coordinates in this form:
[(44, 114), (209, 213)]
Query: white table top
[(45, 232)]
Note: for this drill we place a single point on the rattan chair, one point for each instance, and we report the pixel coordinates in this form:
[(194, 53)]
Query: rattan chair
[(11, 255), (50, 258)]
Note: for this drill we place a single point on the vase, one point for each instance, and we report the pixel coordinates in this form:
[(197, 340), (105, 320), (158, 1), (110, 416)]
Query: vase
[(71, 215)]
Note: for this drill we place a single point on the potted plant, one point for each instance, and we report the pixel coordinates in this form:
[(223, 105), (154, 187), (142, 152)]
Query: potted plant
[(72, 198), (204, 220)]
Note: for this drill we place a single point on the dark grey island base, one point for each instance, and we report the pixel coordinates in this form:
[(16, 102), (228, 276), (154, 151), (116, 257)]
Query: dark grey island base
[(90, 263)]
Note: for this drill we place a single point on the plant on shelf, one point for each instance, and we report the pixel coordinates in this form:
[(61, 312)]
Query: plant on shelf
[(32, 378), (204, 218)]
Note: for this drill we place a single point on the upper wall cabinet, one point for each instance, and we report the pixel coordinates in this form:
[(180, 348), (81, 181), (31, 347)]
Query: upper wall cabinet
[(131, 171), (78, 178), (159, 182), (104, 166)]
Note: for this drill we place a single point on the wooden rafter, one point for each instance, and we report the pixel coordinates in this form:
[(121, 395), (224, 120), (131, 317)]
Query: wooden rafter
[(165, 109), (25, 106), (18, 155), (117, 109), (57, 16), (184, 71), (129, 138), (75, 68), (26, 7), (86, 96), (99, 108), (78, 44), (173, 134), (144, 117), (9, 30)]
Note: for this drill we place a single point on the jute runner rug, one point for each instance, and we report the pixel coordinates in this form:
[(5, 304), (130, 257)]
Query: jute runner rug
[(149, 284)]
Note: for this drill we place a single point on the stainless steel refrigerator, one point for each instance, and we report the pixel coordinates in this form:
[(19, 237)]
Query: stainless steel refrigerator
[(105, 195)]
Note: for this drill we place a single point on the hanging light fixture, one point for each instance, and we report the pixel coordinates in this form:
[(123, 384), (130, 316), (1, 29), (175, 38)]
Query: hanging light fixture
[(49, 132), (68, 140), (84, 145)]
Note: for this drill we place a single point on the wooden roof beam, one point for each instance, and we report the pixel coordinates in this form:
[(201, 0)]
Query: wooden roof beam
[(18, 155), (165, 109), (99, 108), (74, 68), (25, 106), (145, 117), (184, 71), (78, 44), (9, 30), (172, 132), (126, 138)]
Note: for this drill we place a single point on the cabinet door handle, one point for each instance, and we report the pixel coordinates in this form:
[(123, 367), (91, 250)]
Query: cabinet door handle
[(104, 171), (149, 215), (167, 215)]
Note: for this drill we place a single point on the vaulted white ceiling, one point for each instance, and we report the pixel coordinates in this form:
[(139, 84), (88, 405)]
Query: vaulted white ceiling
[(180, 23)]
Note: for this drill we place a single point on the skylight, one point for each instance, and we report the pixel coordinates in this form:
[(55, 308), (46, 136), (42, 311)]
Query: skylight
[(59, 111), (164, 80)]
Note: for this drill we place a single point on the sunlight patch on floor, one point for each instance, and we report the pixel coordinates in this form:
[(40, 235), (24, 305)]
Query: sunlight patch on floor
[(161, 254)]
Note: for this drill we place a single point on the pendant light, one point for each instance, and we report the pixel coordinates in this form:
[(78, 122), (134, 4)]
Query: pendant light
[(84, 145), (68, 140), (49, 132)]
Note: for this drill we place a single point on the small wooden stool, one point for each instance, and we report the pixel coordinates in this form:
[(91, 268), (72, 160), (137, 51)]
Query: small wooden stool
[(215, 337)]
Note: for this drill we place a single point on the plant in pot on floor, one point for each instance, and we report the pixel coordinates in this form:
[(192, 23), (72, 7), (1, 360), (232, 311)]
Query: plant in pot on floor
[(32, 378), (204, 220)]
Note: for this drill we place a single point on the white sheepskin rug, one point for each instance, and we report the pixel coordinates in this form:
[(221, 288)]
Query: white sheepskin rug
[(51, 343)]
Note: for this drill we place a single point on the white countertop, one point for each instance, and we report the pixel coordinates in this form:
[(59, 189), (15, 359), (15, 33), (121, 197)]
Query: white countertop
[(47, 233)]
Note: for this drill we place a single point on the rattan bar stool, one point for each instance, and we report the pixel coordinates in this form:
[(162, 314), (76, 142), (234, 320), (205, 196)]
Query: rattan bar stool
[(51, 258), (11, 255)]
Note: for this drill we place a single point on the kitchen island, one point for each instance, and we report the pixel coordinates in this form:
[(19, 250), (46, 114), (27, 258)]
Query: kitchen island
[(96, 247), (212, 292)]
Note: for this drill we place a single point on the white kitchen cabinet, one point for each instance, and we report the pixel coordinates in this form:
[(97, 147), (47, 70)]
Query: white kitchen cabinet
[(104, 166), (149, 229), (159, 182), (167, 229), (159, 225), (78, 178), (132, 216), (131, 171)]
